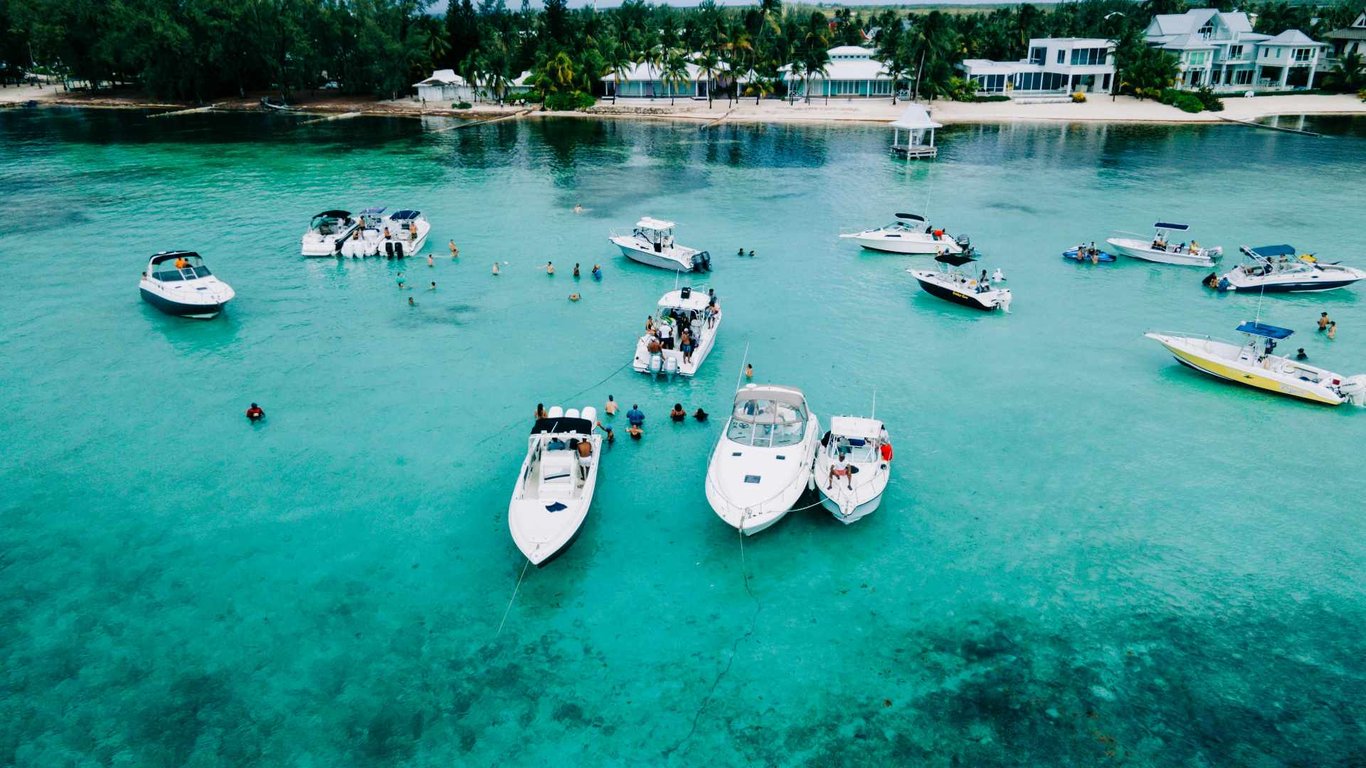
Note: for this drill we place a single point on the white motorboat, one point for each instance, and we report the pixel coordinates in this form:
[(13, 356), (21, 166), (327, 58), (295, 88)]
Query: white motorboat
[(327, 231), (910, 234), (952, 283), (667, 351), (397, 236), (867, 451), (178, 283), (1252, 364), (555, 488), (762, 461), (652, 243), (1160, 251), (1276, 269)]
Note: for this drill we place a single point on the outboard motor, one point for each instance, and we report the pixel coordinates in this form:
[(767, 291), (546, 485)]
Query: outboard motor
[(965, 243), (702, 262), (388, 249), (398, 250), (1353, 390), (671, 366), (686, 293)]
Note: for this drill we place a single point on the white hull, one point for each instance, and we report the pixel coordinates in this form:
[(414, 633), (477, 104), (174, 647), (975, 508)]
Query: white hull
[(844, 514), (784, 474), (553, 493), (1143, 250), (860, 440), (962, 290), (1243, 365), (372, 242), (910, 244), (675, 258), (316, 245)]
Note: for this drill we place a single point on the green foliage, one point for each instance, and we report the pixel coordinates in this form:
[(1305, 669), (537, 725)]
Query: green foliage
[(569, 101), (961, 89), (1349, 75), (1182, 100), (1209, 101), (1143, 70), (461, 105)]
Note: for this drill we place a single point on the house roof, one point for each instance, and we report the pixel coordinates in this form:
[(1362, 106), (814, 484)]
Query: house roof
[(643, 72), (1236, 22), (850, 50), (443, 77), (1291, 37), (1347, 33), (1184, 43), (915, 117)]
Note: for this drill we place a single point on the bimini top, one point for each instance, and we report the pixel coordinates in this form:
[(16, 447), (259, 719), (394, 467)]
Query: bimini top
[(856, 427), (563, 425), (910, 216), (774, 392), (651, 223), (956, 259), (405, 215), (373, 211), (694, 300), (1255, 328), (165, 256), (1169, 225), (1270, 251), (334, 215)]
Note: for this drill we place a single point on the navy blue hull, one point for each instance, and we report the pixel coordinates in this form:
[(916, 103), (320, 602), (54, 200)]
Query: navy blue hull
[(178, 309), (1317, 285), (948, 294)]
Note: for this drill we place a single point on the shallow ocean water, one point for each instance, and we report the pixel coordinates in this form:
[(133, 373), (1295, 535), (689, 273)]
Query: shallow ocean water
[(1087, 555)]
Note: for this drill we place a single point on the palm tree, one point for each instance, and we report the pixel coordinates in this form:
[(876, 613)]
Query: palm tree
[(675, 72), (709, 64), (891, 49), (617, 62), (815, 56), (654, 59), (739, 56)]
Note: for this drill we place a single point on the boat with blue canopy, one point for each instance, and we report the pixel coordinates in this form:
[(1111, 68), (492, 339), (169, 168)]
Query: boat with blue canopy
[(1282, 269)]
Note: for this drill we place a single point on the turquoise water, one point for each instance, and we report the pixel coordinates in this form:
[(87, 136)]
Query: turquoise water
[(1087, 555)]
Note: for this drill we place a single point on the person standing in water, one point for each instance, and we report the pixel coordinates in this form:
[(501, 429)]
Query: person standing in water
[(495, 269), (576, 270), (430, 262), (455, 252), (597, 272), (255, 414), (749, 371), (611, 408), (550, 267)]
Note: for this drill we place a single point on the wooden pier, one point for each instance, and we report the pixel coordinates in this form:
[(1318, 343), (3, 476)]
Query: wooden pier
[(915, 151)]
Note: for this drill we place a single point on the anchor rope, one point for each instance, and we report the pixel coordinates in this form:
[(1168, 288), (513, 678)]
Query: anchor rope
[(512, 599)]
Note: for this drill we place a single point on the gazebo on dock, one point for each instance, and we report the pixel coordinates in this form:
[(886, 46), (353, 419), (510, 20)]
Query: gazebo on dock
[(919, 139)]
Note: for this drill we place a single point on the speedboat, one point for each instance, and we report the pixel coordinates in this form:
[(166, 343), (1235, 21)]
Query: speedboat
[(662, 352), (401, 234), (555, 487), (910, 234), (652, 243), (1084, 255), (953, 284), (1162, 252), (327, 231), (1252, 364), (861, 442), (178, 283), (762, 461), (1276, 269)]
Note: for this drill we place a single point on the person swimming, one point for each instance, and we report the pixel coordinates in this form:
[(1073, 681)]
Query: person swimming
[(495, 269), (255, 413), (700, 415), (574, 297), (597, 272)]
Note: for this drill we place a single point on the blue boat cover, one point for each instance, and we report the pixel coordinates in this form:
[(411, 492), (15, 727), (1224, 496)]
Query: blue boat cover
[(1272, 251), (1262, 329), (373, 211), (1169, 225), (404, 215)]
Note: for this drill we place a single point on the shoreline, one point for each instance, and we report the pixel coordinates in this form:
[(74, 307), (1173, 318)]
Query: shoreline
[(1122, 110)]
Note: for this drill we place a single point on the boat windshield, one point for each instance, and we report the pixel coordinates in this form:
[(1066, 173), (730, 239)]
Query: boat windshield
[(187, 267), (856, 449), (330, 225), (766, 424)]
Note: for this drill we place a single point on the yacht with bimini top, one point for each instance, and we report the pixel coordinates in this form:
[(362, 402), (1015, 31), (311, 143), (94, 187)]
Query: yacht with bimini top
[(1277, 269), (910, 234), (952, 283), (395, 236), (685, 326), (327, 232), (1160, 251), (1253, 364), (762, 461), (652, 243), (178, 283), (555, 487), (864, 448)]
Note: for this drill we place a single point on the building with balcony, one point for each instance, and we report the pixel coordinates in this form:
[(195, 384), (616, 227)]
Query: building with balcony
[(1219, 50), (1348, 40), (1055, 64)]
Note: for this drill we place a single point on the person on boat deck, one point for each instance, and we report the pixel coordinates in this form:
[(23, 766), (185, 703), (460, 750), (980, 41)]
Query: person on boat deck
[(540, 411), (884, 445), (412, 230), (386, 234), (700, 415), (1324, 320), (653, 346), (840, 468), (254, 413), (635, 416), (585, 450), (678, 414), (611, 408), (635, 431), (555, 444), (181, 262), (1300, 355), (650, 324), (686, 346), (666, 335)]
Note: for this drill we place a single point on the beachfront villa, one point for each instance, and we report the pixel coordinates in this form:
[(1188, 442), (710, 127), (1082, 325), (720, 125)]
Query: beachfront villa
[(644, 80), (851, 73), (1349, 40), (1219, 50), (1057, 65), (444, 85)]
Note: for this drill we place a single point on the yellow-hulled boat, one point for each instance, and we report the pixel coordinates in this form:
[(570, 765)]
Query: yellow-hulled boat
[(1252, 364)]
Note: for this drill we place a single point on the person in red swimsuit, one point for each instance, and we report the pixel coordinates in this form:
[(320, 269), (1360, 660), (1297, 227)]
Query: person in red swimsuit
[(254, 413)]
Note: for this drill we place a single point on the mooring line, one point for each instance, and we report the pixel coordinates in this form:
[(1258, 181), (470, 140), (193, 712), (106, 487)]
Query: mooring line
[(513, 599)]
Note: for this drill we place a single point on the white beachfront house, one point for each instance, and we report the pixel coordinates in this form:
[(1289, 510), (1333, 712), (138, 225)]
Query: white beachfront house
[(851, 73), (1054, 64), (1219, 50), (1349, 40), (644, 80), (443, 86)]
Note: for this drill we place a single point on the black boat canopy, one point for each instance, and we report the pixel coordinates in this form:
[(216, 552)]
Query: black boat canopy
[(1169, 225), (910, 216), (165, 256), (956, 259), (563, 425), (335, 214), (404, 215)]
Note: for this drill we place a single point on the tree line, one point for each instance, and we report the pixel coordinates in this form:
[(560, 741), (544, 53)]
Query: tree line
[(202, 49)]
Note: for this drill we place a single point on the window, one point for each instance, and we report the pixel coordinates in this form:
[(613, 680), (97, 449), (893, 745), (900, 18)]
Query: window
[(1243, 77), (1036, 55), (1235, 51), (1197, 58), (1061, 54), (1304, 54), (1207, 31), (1090, 56)]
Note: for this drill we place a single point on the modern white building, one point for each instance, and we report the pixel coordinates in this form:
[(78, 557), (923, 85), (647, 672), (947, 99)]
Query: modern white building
[(1054, 64), (1219, 50), (444, 86), (851, 73)]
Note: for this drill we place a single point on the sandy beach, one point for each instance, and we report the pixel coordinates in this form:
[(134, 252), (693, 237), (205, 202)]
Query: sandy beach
[(1122, 109)]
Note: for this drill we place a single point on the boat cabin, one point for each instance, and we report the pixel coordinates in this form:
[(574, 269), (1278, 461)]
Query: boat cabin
[(1261, 338), (175, 266), (332, 223), (855, 437), (372, 218), (767, 417), (1160, 242), (656, 232), (556, 468)]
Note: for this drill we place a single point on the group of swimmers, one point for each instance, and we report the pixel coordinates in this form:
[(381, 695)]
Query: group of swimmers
[(635, 418), (1328, 325)]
